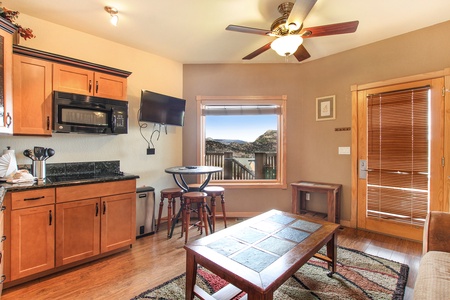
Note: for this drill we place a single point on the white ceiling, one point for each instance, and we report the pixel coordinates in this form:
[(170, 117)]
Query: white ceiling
[(193, 31)]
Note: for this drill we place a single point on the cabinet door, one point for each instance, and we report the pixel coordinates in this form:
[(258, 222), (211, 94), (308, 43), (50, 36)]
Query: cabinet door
[(85, 82), (73, 80), (32, 95), (2, 239), (32, 240), (6, 104), (77, 230), (118, 225), (109, 86)]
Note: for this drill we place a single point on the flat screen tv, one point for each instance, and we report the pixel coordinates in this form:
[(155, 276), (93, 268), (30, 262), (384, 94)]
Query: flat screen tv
[(161, 109)]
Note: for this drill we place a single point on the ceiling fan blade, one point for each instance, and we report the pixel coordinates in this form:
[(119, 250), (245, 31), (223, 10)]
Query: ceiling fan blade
[(244, 29), (299, 12), (339, 28), (258, 51), (301, 53)]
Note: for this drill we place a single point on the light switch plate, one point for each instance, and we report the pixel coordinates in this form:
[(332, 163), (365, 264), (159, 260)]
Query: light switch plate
[(344, 150)]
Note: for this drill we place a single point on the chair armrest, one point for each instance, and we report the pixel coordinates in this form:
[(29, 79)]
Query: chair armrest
[(436, 232)]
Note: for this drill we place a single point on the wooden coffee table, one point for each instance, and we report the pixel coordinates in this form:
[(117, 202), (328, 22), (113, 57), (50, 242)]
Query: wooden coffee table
[(258, 255)]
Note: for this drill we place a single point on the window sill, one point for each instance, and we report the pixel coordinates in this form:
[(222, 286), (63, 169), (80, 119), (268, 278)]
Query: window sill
[(250, 184)]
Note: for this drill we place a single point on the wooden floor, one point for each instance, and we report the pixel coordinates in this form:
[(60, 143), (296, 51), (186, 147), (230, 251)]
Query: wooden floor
[(154, 259)]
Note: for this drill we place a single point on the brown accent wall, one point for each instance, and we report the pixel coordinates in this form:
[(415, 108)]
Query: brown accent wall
[(312, 147)]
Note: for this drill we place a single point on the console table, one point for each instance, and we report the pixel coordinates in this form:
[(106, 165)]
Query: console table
[(333, 191)]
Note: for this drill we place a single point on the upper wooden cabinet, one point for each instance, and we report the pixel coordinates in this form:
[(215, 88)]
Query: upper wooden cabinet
[(36, 74), (32, 92), (82, 81), (6, 104)]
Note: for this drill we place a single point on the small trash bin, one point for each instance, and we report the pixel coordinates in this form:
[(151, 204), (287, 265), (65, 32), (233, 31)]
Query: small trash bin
[(145, 211)]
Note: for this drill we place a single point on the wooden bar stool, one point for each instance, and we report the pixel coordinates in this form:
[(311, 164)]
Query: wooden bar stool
[(170, 194), (200, 199), (213, 192)]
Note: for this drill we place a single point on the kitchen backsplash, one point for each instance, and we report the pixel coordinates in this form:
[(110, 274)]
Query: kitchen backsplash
[(78, 168)]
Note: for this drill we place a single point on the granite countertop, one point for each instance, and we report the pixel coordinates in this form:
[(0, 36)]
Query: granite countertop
[(67, 180), (73, 173)]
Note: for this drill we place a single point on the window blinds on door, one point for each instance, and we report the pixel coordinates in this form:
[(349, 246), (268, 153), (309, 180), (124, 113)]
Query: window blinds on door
[(398, 150)]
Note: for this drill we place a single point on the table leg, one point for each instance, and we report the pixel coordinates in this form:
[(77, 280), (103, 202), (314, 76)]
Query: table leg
[(205, 183), (254, 295), (184, 186), (169, 216), (295, 200), (176, 218), (331, 207), (332, 254), (191, 275)]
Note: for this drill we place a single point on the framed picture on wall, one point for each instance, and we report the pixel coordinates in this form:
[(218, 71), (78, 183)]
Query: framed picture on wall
[(326, 108)]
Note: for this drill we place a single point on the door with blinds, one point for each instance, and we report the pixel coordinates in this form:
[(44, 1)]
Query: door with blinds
[(400, 156)]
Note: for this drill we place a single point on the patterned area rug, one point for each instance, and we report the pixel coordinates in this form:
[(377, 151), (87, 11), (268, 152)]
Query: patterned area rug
[(359, 276)]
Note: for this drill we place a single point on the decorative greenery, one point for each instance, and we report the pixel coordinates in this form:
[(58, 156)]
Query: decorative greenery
[(11, 16)]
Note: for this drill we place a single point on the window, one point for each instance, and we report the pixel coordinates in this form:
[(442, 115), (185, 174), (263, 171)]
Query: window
[(246, 137)]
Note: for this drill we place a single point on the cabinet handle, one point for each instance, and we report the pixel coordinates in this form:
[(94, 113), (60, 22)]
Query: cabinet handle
[(3, 208), (104, 207), (90, 86), (96, 86), (3, 239), (1, 256), (48, 123), (35, 198), (8, 120), (50, 217), (3, 278), (96, 209)]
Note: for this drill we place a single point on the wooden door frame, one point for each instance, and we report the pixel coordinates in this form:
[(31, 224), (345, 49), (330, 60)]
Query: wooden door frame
[(355, 90)]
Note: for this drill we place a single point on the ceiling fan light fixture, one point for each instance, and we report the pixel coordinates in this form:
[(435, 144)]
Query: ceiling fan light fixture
[(293, 26), (286, 45), (113, 12)]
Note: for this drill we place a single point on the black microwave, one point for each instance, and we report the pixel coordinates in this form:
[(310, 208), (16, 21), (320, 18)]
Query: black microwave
[(88, 114)]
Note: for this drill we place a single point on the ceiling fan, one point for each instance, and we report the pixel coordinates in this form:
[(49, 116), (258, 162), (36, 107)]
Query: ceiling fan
[(289, 32)]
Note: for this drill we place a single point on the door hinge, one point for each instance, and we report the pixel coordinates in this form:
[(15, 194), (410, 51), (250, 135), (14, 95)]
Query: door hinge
[(443, 161), (443, 91)]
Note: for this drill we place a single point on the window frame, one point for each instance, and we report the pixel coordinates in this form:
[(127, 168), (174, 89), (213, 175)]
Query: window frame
[(280, 181)]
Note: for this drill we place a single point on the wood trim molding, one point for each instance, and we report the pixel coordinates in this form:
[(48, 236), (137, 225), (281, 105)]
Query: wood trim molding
[(7, 26), (401, 80), (56, 58)]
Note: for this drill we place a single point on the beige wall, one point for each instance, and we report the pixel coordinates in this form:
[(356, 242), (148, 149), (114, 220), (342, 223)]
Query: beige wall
[(312, 147), (148, 72)]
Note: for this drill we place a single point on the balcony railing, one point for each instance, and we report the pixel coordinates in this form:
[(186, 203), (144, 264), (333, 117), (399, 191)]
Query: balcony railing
[(264, 166)]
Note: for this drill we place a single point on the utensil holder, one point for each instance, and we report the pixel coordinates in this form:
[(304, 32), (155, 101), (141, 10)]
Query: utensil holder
[(38, 169)]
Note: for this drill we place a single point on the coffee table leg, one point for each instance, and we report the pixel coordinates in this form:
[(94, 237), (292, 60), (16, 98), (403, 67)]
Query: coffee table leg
[(191, 275), (332, 254)]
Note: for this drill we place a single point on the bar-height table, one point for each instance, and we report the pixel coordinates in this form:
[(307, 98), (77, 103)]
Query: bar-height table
[(178, 174)]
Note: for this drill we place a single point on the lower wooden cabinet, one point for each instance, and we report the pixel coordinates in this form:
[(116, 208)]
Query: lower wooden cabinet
[(32, 240), (50, 229), (2, 255), (117, 228), (89, 227), (77, 230)]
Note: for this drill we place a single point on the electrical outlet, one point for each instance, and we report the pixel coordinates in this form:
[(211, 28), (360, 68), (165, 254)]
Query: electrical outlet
[(150, 151), (308, 196)]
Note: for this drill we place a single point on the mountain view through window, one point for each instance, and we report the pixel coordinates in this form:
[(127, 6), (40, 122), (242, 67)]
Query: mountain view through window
[(246, 145)]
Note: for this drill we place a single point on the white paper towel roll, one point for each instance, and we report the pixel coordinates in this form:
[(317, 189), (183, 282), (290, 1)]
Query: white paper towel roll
[(8, 163)]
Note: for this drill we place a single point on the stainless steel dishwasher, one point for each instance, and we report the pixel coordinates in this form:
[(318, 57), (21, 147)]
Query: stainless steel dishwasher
[(145, 211)]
